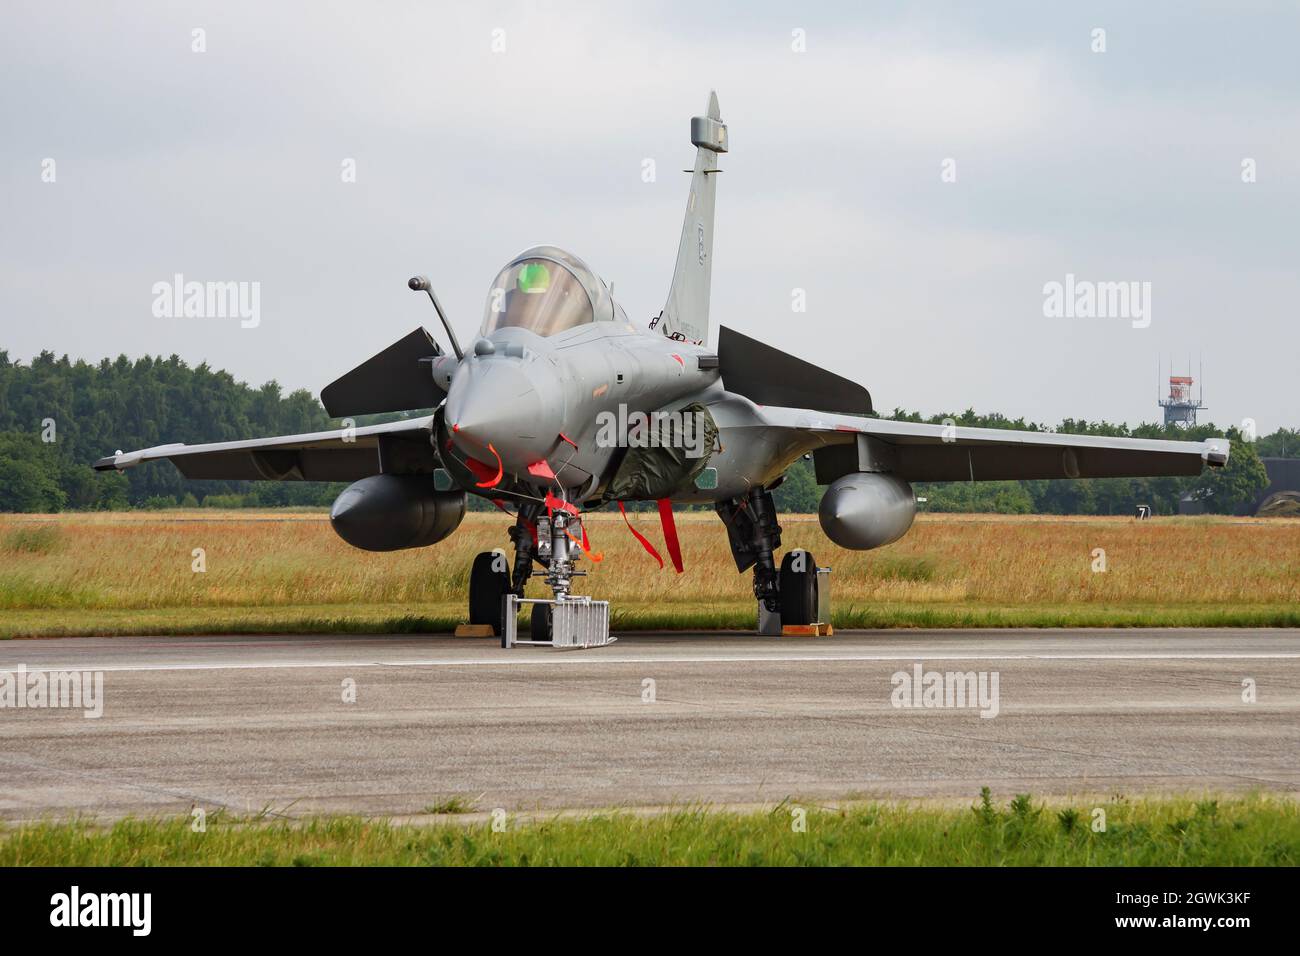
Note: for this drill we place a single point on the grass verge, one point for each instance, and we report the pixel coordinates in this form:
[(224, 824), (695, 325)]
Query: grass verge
[(212, 572), (442, 618), (1248, 831)]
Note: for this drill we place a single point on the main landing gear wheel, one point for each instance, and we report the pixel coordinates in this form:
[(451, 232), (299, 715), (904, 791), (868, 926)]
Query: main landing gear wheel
[(798, 588), (488, 584), (541, 623)]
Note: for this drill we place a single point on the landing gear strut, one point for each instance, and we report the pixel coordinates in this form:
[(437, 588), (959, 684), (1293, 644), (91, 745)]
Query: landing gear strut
[(754, 535), (784, 596), (523, 534), (556, 553)]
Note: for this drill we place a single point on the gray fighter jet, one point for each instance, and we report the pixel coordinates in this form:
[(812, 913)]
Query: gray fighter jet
[(563, 405)]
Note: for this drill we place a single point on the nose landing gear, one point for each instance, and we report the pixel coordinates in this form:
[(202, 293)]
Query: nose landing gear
[(564, 620)]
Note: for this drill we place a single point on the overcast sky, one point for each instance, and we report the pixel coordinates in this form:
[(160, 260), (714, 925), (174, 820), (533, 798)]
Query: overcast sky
[(227, 165)]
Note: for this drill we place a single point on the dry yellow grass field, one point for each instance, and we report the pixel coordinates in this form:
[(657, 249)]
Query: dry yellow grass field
[(132, 573)]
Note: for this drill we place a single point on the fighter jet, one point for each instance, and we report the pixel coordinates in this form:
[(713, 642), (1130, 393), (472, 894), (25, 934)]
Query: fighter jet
[(563, 405)]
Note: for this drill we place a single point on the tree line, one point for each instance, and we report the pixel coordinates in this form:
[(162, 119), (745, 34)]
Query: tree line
[(57, 416)]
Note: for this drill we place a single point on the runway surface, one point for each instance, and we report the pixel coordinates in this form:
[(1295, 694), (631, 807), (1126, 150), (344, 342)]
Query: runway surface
[(260, 723)]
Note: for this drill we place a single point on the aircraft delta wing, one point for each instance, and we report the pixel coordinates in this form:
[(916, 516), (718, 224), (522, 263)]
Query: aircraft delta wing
[(411, 373), (343, 454), (916, 451)]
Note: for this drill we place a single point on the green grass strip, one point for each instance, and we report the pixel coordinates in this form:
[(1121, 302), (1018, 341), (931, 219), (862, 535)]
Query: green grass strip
[(1255, 830)]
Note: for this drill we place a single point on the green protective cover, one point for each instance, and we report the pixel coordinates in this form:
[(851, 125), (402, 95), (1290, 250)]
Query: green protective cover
[(651, 473)]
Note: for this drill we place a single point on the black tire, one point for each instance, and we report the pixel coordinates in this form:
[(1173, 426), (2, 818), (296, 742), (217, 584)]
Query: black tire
[(488, 586), (798, 588), (541, 622)]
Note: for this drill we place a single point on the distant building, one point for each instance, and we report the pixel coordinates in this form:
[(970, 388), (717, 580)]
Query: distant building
[(1180, 407)]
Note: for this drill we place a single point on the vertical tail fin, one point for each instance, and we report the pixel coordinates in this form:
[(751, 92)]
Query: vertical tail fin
[(686, 314)]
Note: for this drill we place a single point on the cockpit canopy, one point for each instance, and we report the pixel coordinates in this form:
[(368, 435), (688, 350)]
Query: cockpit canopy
[(546, 290)]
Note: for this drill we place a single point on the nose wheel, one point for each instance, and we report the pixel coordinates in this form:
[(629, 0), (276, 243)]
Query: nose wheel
[(541, 622)]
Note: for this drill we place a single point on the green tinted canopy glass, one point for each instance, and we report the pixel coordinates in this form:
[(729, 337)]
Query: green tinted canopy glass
[(537, 294), (534, 277)]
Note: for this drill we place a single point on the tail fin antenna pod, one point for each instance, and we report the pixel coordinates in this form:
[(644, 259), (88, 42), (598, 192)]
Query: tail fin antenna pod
[(686, 314)]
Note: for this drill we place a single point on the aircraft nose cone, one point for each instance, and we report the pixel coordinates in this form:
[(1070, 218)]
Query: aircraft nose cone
[(499, 401), (485, 412)]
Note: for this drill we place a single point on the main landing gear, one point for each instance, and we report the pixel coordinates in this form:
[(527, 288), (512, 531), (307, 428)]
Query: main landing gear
[(489, 583), (785, 595), (798, 595), (492, 577)]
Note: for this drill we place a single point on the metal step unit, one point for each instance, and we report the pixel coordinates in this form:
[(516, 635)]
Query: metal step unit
[(823, 596), (576, 622)]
